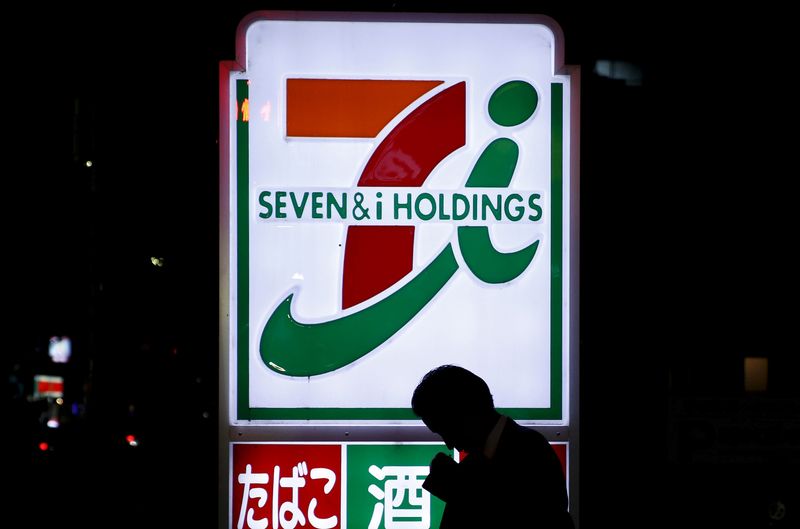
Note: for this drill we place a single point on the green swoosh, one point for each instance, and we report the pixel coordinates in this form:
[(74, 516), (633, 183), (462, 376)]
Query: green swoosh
[(298, 349), (488, 264)]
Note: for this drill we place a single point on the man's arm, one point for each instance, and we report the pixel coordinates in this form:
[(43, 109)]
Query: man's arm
[(450, 481)]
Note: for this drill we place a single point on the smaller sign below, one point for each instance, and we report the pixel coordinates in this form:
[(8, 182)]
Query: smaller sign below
[(46, 386), (336, 485), (332, 485)]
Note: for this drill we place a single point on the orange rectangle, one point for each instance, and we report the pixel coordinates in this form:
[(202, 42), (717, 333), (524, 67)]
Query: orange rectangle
[(347, 108)]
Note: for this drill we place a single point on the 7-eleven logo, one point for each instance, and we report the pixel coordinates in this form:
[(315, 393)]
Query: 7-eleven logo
[(377, 257)]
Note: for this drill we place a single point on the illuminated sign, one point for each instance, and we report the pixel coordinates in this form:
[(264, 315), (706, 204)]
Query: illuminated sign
[(399, 198), (335, 485), (46, 386)]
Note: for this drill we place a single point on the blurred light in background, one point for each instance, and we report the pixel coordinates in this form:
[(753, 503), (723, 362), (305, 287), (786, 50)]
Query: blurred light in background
[(755, 373), (60, 349), (628, 72), (46, 386)]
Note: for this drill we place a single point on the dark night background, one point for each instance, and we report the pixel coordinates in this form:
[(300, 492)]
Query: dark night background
[(687, 232)]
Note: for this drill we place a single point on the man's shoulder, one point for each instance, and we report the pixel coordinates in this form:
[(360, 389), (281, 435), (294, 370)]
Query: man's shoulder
[(514, 429), (523, 442)]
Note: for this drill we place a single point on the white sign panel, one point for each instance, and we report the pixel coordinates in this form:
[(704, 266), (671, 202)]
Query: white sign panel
[(399, 199)]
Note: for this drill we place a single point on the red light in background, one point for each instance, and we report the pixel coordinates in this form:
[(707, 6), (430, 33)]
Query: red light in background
[(131, 440), (43, 446)]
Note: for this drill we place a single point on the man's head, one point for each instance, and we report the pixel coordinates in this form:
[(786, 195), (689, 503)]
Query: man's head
[(457, 405)]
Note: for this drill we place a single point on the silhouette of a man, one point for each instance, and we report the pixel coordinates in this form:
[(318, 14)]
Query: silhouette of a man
[(511, 477)]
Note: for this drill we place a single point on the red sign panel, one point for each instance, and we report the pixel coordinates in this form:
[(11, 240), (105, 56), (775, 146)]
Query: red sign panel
[(283, 486), (48, 386)]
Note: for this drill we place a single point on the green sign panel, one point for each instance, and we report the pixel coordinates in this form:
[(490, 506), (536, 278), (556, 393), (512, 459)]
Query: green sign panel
[(384, 489)]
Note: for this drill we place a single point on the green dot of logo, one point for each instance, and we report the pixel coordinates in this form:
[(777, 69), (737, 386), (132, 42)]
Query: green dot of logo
[(513, 103)]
